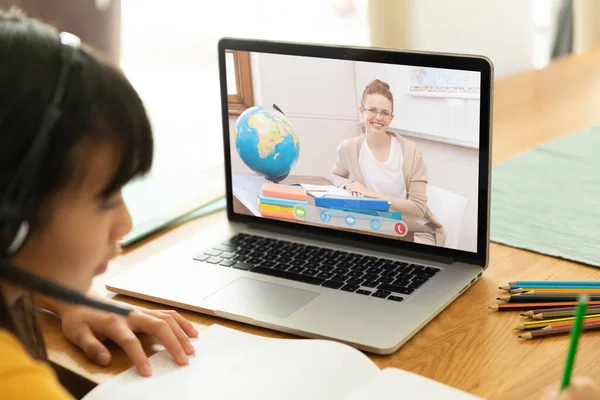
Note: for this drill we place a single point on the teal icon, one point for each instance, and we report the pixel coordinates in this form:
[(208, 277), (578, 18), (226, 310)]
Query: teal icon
[(350, 220), (375, 224), (325, 216)]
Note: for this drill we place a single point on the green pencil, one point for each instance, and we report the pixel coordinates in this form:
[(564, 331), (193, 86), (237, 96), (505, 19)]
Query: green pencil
[(575, 333)]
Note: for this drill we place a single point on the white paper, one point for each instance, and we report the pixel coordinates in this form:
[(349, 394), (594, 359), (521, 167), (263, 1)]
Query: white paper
[(322, 190), (392, 383), (230, 364), (246, 187)]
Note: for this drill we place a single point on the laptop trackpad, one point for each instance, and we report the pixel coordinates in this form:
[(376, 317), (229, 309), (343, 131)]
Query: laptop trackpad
[(249, 297)]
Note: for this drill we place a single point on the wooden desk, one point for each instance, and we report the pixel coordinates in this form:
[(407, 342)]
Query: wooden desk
[(466, 346)]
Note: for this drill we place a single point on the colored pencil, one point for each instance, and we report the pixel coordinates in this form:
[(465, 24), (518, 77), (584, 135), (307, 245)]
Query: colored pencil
[(560, 314), (571, 323), (561, 283), (511, 288), (555, 331), (575, 333), (543, 323), (549, 286), (555, 290), (543, 310), (498, 307), (542, 298)]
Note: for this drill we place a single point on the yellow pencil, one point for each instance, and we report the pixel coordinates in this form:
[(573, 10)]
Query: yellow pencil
[(543, 323)]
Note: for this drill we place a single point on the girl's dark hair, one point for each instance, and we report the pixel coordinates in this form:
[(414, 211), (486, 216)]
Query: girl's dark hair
[(99, 105)]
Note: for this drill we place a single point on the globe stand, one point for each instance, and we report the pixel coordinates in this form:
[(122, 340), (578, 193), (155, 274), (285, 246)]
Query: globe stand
[(276, 179)]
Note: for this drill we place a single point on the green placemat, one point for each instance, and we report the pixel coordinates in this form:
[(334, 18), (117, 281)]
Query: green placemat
[(547, 199)]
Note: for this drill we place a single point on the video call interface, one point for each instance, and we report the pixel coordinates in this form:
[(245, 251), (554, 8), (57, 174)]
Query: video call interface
[(376, 149)]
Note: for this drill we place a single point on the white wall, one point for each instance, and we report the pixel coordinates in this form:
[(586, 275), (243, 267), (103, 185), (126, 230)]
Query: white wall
[(501, 30), (319, 97), (449, 120)]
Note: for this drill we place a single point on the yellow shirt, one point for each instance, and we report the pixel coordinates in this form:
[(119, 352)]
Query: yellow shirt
[(22, 377)]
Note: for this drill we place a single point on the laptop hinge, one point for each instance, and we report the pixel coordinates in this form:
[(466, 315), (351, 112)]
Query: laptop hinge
[(355, 243)]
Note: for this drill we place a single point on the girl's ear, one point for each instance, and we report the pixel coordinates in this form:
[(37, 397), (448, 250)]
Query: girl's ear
[(361, 110)]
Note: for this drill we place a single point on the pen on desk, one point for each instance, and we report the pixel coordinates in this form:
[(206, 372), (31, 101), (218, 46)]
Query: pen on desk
[(555, 331), (543, 298), (575, 333)]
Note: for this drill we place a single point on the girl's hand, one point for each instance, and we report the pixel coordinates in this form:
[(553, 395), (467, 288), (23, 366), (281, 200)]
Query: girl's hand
[(87, 328), (579, 389)]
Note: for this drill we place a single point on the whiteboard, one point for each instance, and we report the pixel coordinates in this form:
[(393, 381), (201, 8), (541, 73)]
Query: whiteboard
[(441, 82), (443, 117)]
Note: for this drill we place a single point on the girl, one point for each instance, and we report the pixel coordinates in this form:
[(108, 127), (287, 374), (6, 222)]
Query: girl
[(385, 165), (88, 129)]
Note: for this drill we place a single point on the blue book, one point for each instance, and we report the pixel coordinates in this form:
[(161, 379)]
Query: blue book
[(397, 215), (362, 203)]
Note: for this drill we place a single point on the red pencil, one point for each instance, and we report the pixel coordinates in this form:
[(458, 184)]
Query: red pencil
[(532, 313), (554, 331), (566, 324), (512, 306)]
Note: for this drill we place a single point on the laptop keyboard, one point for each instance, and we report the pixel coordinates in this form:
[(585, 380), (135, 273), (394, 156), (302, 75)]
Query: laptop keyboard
[(351, 272)]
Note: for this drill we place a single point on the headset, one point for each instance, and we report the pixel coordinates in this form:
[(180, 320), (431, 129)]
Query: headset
[(14, 226)]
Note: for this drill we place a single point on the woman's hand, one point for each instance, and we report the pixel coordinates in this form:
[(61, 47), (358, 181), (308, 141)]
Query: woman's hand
[(579, 389), (87, 328), (357, 188)]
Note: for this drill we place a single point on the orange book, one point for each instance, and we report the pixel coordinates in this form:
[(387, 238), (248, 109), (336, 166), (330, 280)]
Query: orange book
[(278, 215), (284, 191)]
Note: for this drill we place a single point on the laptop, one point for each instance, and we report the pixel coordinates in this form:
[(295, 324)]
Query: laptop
[(300, 252)]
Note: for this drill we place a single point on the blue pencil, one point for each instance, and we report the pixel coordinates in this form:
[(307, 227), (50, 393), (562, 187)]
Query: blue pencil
[(550, 285), (559, 283), (513, 285)]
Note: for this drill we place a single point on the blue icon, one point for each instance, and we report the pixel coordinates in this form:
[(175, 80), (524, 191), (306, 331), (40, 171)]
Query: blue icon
[(375, 224), (325, 216), (350, 220)]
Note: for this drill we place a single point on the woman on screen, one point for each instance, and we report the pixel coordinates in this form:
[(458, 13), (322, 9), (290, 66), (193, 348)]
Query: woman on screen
[(385, 165)]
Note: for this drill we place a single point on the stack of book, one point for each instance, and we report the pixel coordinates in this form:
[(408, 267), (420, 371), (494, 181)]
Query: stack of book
[(278, 201)]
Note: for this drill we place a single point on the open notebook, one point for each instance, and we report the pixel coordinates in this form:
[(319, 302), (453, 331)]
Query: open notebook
[(230, 364)]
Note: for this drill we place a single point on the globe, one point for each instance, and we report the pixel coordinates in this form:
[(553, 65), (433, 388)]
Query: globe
[(266, 142)]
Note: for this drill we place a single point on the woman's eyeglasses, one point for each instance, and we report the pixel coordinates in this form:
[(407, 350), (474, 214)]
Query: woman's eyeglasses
[(372, 112)]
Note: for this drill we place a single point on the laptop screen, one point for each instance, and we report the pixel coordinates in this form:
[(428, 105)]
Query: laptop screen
[(372, 148)]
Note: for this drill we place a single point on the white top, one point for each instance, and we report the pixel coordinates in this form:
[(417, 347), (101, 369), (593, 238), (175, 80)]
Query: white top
[(383, 177)]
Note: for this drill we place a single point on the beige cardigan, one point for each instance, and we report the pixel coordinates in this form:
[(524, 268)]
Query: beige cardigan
[(346, 170)]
